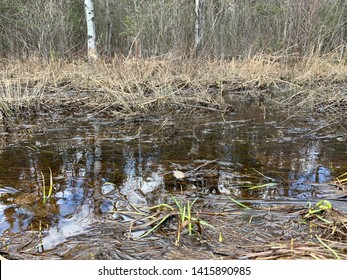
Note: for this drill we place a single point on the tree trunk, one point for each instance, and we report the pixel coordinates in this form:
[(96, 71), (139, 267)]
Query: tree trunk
[(89, 8), (199, 26), (109, 29)]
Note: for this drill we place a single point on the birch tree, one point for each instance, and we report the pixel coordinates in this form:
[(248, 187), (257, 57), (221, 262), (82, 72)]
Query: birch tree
[(89, 8), (199, 25)]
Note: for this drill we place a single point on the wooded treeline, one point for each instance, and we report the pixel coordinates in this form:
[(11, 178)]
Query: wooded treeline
[(231, 28)]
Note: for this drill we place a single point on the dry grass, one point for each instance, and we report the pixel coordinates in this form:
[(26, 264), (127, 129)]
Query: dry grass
[(126, 86)]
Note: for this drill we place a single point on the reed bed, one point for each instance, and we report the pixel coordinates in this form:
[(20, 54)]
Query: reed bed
[(132, 86)]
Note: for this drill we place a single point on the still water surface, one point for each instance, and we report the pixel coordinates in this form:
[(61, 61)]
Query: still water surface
[(99, 165)]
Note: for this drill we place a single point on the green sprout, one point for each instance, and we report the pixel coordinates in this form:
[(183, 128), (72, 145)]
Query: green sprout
[(318, 209), (50, 189), (182, 210)]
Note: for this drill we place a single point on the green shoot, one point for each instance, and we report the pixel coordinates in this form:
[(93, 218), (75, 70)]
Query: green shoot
[(239, 203), (157, 225), (329, 248), (266, 177), (161, 206), (189, 218), (184, 214), (220, 239), (321, 206), (50, 189), (262, 186)]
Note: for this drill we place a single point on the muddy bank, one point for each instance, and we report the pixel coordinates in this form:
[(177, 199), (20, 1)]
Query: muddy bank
[(124, 88)]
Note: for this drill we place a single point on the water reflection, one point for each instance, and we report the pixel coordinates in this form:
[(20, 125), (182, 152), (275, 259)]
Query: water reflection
[(100, 165), (68, 227), (311, 171)]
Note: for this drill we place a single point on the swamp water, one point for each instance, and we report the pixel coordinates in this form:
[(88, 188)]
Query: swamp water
[(104, 168)]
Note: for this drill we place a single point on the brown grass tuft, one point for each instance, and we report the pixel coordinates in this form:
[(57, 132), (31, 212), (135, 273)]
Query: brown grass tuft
[(127, 86)]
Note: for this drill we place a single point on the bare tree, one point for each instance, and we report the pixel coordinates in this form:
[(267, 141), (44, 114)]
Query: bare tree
[(108, 29), (219, 28), (89, 8), (199, 26)]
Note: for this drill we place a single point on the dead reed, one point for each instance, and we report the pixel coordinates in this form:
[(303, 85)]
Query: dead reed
[(131, 86)]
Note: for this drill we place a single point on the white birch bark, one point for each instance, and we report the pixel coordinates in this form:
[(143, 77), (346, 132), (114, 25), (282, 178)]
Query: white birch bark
[(89, 9), (199, 25)]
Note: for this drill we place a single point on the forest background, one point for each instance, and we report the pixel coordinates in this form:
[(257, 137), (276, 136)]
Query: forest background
[(148, 52), (232, 28)]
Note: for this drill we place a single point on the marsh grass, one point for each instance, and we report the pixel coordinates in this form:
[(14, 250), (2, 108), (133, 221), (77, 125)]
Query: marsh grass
[(17, 97), (46, 196), (341, 180), (132, 86), (318, 210), (329, 225), (181, 215), (239, 203), (332, 251)]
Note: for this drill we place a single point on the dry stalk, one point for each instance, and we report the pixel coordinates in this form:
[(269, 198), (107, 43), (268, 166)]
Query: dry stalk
[(140, 85)]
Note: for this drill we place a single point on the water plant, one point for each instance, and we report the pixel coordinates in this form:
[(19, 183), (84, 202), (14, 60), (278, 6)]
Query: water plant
[(317, 210), (261, 186), (272, 182), (239, 203), (50, 188), (334, 225), (182, 212), (186, 218)]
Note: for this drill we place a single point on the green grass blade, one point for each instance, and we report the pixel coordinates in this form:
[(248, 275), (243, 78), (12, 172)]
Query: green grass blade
[(43, 187), (262, 186), (344, 174), (331, 250), (324, 205), (156, 226), (323, 220), (183, 214), (179, 205), (163, 205), (189, 217), (50, 183), (266, 177), (239, 203), (202, 222), (194, 202)]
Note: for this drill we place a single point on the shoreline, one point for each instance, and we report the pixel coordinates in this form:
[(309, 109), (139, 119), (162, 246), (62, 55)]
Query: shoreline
[(140, 86)]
